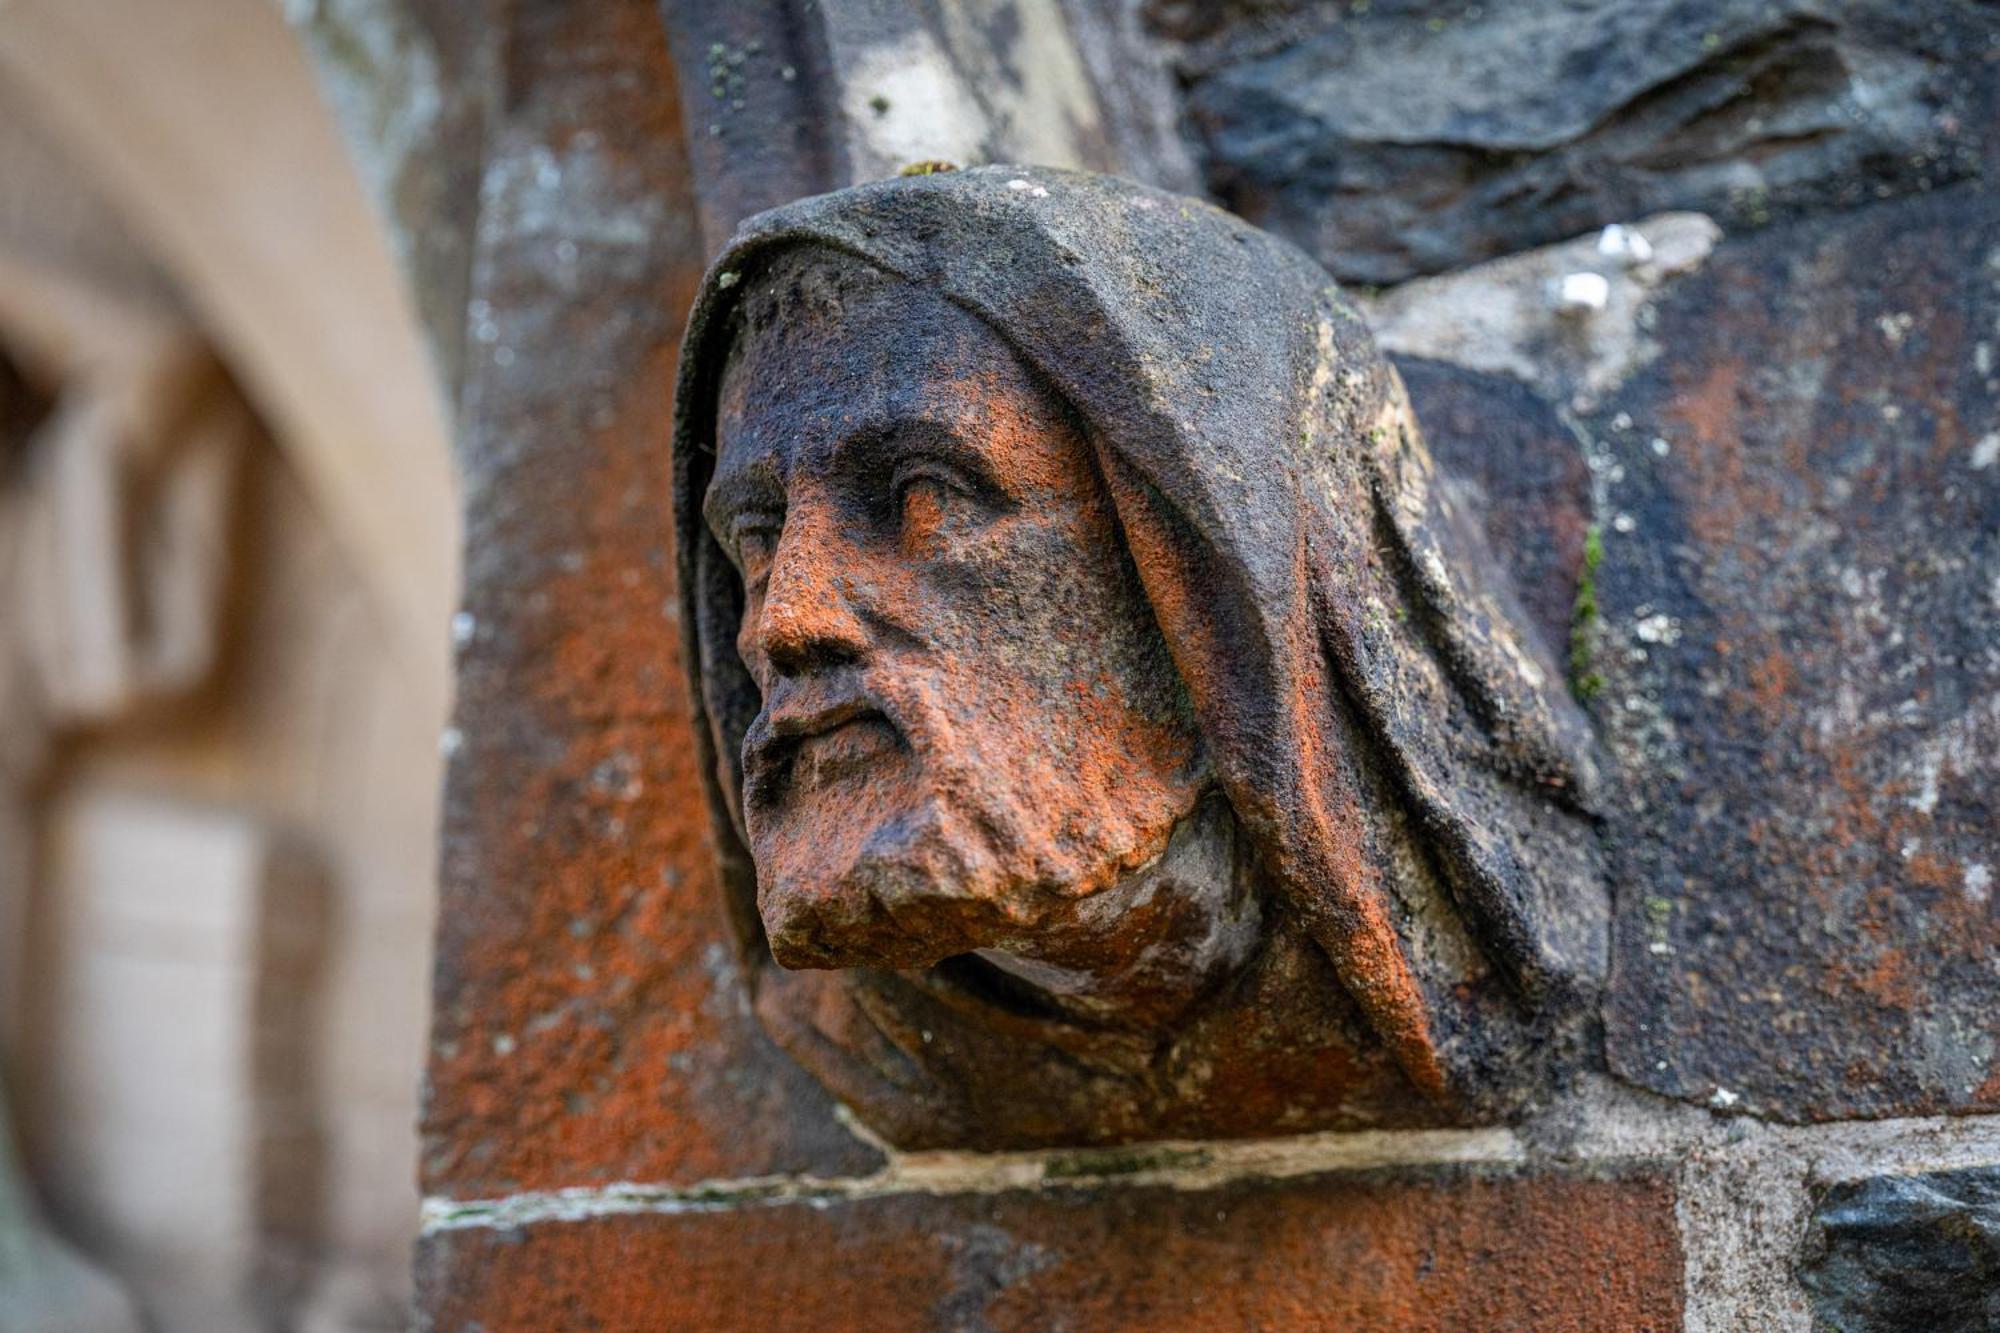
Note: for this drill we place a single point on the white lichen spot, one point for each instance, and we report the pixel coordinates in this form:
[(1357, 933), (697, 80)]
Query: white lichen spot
[(1624, 523), (1658, 628), (1896, 327), (1987, 452), (1580, 294), (726, 279), (1928, 768), (1660, 447), (1028, 188), (503, 1044), (1722, 1099), (1978, 882), (449, 742), (1627, 245), (463, 626)]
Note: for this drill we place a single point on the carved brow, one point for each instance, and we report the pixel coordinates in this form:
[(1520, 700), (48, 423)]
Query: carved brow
[(865, 449)]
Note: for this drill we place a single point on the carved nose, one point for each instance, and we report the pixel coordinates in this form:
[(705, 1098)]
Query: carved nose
[(808, 621)]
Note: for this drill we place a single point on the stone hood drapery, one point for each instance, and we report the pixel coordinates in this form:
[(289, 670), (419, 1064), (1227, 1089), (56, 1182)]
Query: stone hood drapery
[(1348, 645)]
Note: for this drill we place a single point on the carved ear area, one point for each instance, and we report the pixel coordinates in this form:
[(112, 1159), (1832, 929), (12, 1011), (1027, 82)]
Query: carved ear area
[(1266, 717), (1494, 759), (1455, 595)]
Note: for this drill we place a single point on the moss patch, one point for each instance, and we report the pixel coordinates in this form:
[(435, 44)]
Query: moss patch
[(1585, 681)]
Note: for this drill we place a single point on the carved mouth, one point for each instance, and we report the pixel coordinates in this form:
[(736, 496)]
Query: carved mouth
[(812, 742), (842, 749)]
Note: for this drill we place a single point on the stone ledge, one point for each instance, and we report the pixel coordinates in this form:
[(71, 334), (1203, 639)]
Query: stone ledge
[(1453, 1248)]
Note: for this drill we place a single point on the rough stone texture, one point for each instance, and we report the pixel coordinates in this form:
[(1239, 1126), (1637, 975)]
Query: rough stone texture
[(1907, 1252), (1405, 762), (1396, 138), (589, 1024), (1524, 474), (759, 99), (409, 81), (797, 97), (1451, 1251), (1505, 316), (1779, 951), (1130, 72), (1801, 508)]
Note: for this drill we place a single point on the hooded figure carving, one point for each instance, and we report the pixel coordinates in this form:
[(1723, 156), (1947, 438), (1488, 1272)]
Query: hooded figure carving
[(1323, 711)]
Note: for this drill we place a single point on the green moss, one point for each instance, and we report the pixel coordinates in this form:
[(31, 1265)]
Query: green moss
[(928, 167), (878, 104), (1585, 681)]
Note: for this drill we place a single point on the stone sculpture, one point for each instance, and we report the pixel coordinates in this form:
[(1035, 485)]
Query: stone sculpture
[(1115, 727), (117, 492)]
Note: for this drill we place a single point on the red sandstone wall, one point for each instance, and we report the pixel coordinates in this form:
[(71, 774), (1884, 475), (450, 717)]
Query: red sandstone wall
[(609, 1141)]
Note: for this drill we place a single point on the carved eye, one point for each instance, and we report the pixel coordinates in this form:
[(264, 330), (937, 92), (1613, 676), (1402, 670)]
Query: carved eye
[(925, 504), (927, 500), (755, 539)]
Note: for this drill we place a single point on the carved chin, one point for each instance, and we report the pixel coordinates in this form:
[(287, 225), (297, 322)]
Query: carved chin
[(902, 895), (842, 931)]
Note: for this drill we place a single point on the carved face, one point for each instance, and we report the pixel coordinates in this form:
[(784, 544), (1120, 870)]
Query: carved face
[(970, 725)]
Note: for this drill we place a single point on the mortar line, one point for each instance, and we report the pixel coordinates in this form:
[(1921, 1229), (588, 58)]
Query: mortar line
[(1667, 1135), (1173, 1164)]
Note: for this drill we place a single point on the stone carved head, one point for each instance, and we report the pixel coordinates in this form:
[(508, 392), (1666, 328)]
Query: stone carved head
[(1114, 728)]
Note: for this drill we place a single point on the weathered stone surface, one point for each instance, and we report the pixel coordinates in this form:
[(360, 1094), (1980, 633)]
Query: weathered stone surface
[(409, 81), (1798, 669), (1525, 476), (1509, 316), (795, 97), (1918, 1253), (1190, 774), (1453, 1251), (1396, 139), (589, 1023)]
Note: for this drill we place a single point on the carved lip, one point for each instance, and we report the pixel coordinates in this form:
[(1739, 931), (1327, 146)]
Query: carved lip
[(800, 723), (777, 735)]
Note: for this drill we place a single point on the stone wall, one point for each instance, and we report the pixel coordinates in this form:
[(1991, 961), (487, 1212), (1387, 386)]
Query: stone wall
[(1741, 455)]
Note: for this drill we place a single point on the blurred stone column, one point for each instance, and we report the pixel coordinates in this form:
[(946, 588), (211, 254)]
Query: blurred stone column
[(44, 1284), (116, 488)]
